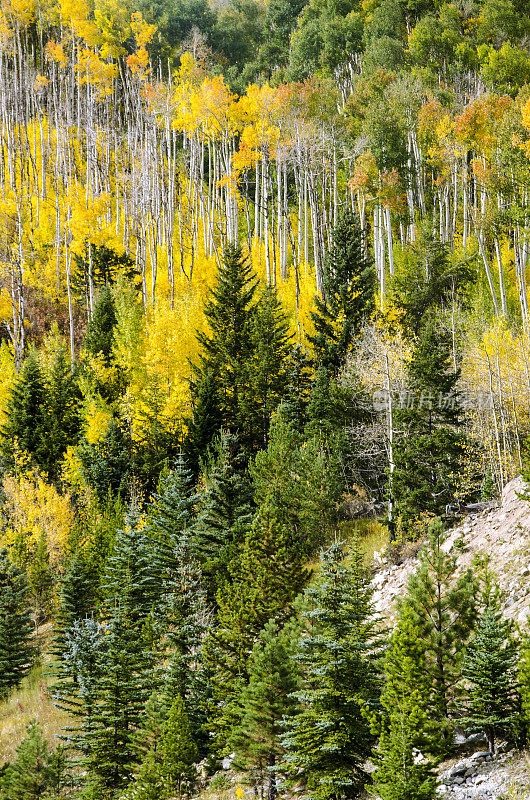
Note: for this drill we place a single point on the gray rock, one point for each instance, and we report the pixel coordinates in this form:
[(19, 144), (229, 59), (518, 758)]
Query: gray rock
[(458, 769), (458, 781)]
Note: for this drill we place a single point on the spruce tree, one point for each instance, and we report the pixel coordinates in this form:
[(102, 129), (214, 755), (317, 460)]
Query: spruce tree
[(228, 347), (348, 295), (100, 329), (443, 605), (26, 425), (63, 423), (131, 581), (405, 726), (106, 465), (77, 601), (187, 620), (266, 703), (328, 741), (225, 512), (172, 509), (489, 670), (16, 650), (76, 690), (155, 444), (121, 692), (298, 369), (206, 420), (267, 367), (429, 443), (40, 581)]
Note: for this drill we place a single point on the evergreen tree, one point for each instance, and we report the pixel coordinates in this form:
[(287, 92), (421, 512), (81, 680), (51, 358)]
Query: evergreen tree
[(106, 465), (348, 295), (328, 741), (271, 345), (26, 424), (156, 444), (187, 620), (489, 670), (132, 577), (298, 484), (405, 726), (225, 512), (228, 348), (266, 703), (429, 446), (77, 600), (76, 690), (35, 772), (266, 579), (179, 752), (63, 424), (444, 610), (40, 581), (299, 369), (16, 651), (207, 418), (121, 690), (429, 282), (172, 509), (100, 328)]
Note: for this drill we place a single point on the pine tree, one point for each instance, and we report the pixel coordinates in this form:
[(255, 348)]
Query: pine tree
[(428, 449), (298, 484), (348, 295), (16, 651), (26, 424), (228, 348), (266, 703), (266, 579), (100, 328), (489, 670), (179, 751), (225, 512), (405, 728), (443, 604), (36, 771), (328, 742)]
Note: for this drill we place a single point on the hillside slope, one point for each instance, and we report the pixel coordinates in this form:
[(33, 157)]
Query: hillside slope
[(502, 532)]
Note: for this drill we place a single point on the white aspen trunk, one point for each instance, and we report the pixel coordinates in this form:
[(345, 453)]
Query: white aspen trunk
[(389, 241)]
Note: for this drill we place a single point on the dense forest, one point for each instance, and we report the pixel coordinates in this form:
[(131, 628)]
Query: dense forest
[(263, 289)]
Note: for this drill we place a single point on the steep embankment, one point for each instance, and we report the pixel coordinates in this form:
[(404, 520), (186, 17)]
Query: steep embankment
[(503, 533)]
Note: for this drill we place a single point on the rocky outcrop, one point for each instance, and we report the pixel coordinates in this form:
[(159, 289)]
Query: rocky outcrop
[(502, 532)]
